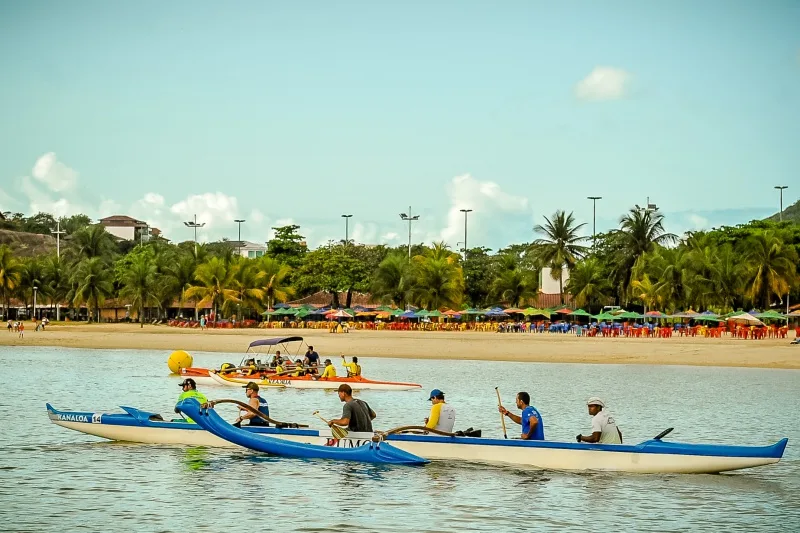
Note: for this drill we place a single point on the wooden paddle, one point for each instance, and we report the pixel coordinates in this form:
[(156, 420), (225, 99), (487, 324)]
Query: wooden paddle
[(259, 414), (337, 431), (502, 416)]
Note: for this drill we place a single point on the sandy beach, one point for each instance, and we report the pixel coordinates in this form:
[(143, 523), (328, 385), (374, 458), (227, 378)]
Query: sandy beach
[(549, 348)]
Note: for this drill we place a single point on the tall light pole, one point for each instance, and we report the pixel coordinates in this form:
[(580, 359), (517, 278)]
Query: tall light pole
[(195, 225), (465, 211), (346, 229), (35, 288), (780, 188), (404, 216), (594, 218), (239, 221), (57, 232)]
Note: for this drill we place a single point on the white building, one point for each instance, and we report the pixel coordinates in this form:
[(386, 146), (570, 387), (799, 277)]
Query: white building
[(126, 227), (548, 285), (249, 249)]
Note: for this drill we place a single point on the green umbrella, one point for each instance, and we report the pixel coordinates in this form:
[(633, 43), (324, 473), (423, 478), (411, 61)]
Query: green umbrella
[(396, 312), (580, 312), (302, 313), (708, 318), (771, 314), (604, 316), (628, 314), (473, 311), (436, 313), (422, 313)]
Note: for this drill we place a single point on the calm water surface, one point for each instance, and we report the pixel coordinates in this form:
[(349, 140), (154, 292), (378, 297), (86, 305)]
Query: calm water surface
[(54, 479)]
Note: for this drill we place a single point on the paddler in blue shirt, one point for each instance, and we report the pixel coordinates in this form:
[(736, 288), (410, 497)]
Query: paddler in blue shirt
[(256, 402), (530, 419), (190, 391)]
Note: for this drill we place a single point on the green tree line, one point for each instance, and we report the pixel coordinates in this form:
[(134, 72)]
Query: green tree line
[(637, 264)]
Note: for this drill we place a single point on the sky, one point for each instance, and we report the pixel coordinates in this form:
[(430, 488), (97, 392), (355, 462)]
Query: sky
[(299, 112)]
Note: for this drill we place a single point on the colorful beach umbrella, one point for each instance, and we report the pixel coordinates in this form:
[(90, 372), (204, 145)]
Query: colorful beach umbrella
[(580, 312)]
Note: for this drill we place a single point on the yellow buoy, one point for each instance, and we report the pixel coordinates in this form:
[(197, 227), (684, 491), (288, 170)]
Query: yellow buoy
[(177, 360)]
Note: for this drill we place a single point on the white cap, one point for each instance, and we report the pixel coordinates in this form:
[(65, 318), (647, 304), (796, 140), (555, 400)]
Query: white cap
[(594, 400)]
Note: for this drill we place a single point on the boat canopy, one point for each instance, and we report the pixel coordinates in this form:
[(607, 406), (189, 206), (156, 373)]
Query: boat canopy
[(275, 341)]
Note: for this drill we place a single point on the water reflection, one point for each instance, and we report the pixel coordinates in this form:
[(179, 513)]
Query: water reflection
[(196, 458)]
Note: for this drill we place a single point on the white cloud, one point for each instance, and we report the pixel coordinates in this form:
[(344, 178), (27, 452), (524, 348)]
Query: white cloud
[(56, 175), (215, 210), (109, 207), (389, 238), (256, 216), (487, 201), (697, 221), (40, 200), (603, 83)]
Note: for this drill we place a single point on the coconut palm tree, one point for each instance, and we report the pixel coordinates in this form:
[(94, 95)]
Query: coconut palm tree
[(390, 281), (274, 281), (640, 231), (32, 280), (436, 282), (92, 241), (212, 285), (513, 284), (57, 279), (180, 276), (561, 245), (727, 275), (10, 275), (246, 282), (140, 283), (588, 283), (770, 267), (91, 282)]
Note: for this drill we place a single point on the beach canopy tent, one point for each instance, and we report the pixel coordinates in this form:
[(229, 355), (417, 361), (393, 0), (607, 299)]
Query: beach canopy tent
[(745, 318)]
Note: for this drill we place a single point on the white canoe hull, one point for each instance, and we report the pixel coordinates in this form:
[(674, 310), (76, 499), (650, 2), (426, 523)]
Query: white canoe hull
[(325, 384), (547, 455)]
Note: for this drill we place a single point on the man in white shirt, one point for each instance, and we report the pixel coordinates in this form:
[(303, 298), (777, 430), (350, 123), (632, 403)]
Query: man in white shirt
[(604, 428)]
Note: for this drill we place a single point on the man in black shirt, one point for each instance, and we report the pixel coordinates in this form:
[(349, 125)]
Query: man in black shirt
[(357, 415), (312, 360)]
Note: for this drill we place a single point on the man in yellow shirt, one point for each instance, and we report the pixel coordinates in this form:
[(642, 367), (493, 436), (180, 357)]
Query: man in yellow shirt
[(353, 369), (329, 372), (443, 416)]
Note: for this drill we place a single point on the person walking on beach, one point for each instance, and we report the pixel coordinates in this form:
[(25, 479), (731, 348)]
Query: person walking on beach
[(443, 415), (604, 427), (21, 330), (202, 322), (357, 415), (529, 419), (256, 402), (190, 391), (10, 326)]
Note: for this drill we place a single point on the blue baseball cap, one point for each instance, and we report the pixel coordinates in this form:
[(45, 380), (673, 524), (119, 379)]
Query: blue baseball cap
[(435, 393)]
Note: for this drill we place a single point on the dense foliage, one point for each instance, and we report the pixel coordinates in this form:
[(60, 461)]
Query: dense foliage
[(637, 265)]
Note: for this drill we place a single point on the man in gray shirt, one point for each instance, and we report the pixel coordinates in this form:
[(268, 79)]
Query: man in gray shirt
[(356, 414)]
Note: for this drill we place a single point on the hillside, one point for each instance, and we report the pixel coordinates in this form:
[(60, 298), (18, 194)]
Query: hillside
[(27, 244), (789, 213)]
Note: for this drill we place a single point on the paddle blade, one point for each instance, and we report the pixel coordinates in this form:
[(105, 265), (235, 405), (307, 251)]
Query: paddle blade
[(663, 434), (338, 432)]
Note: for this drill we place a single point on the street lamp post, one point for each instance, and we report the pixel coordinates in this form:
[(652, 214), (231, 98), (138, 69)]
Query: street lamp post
[(195, 225), (239, 221), (35, 288), (410, 219), (466, 212), (346, 229), (594, 217), (57, 232), (780, 188)]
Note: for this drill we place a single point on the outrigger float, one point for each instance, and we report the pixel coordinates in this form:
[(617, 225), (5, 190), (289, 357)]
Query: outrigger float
[(649, 457)]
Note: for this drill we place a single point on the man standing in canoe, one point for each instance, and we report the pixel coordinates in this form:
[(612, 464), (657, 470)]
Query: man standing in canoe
[(311, 360), (357, 416), (604, 427), (443, 416), (529, 419), (190, 391)]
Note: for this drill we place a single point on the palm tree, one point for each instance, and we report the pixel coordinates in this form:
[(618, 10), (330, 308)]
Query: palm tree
[(588, 283), (770, 266), (140, 283), (514, 284), (10, 275), (180, 276), (32, 281), (274, 281), (91, 282), (93, 241), (436, 283), (727, 276), (560, 248), (213, 284), (640, 230), (246, 282), (390, 281), (57, 279)]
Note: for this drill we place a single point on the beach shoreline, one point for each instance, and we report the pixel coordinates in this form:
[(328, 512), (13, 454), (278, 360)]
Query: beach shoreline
[(484, 346)]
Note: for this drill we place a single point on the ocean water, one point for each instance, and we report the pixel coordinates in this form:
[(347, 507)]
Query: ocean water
[(54, 479)]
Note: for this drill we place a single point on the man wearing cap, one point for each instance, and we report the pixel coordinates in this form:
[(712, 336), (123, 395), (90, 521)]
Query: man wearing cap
[(256, 402), (357, 415), (190, 391), (443, 416), (529, 419), (329, 372), (604, 427)]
